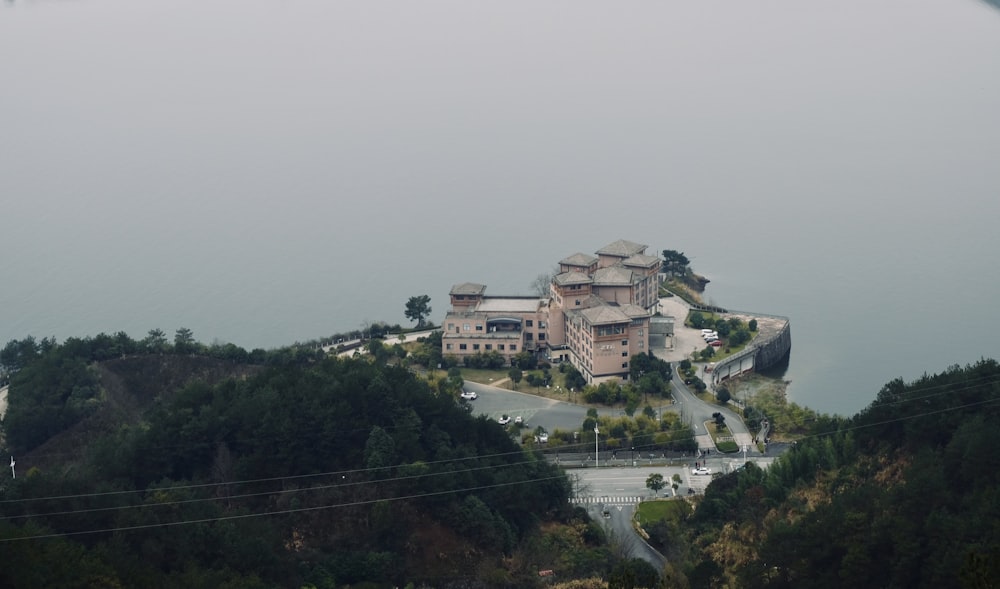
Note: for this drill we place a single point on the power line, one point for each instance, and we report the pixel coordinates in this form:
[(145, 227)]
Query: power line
[(253, 481), (279, 512), (912, 396), (262, 493)]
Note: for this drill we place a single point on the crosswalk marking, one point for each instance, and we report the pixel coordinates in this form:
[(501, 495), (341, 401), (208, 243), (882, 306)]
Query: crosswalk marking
[(607, 500)]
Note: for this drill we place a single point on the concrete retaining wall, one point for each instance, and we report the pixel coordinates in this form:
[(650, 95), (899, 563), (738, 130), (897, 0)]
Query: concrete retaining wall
[(762, 353)]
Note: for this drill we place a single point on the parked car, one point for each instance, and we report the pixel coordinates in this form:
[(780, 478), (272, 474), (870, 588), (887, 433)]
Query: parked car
[(701, 470), (543, 437), (518, 420), (717, 343), (469, 395), (504, 419)]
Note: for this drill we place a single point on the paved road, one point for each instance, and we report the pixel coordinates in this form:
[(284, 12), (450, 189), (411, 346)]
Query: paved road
[(693, 410), (536, 411)]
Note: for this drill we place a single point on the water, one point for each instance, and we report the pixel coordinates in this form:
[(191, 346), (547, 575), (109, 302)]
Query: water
[(270, 172)]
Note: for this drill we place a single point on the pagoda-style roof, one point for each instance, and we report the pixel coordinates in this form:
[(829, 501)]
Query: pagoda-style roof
[(604, 315), (641, 261), (613, 276), (568, 278), (578, 259), (622, 249)]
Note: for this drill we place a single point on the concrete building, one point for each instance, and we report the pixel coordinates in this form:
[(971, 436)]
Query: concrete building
[(596, 316)]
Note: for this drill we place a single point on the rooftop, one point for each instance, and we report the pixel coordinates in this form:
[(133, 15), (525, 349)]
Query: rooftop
[(612, 275), (572, 278), (509, 305), (578, 259), (642, 261), (468, 288), (622, 249)]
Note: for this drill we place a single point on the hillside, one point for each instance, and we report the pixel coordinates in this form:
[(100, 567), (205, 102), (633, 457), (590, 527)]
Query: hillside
[(905, 494), (129, 387), (180, 470)]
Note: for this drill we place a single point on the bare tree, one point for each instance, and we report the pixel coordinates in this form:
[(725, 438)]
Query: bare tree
[(621, 546), (541, 282)]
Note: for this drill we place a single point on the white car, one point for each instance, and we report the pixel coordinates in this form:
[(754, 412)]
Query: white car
[(701, 470), (504, 419), (543, 437), (518, 420), (469, 395)]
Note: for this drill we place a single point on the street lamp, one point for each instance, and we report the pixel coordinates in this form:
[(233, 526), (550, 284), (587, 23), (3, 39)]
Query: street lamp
[(597, 456)]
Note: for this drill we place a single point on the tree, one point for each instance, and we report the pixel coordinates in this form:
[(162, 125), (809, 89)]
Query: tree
[(18, 354), (675, 262), (380, 451), (655, 482), (722, 395), (417, 308), (515, 375), (183, 341), (740, 336), (541, 284)]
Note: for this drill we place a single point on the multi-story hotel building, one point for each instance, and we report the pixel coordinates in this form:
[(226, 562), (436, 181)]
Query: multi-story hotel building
[(596, 315)]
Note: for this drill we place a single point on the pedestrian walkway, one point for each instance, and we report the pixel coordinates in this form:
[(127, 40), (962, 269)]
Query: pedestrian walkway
[(607, 500)]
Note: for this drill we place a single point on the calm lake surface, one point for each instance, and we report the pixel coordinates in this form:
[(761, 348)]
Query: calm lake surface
[(267, 172)]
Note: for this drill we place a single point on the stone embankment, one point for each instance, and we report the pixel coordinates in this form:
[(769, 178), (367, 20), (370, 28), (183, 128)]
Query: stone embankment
[(771, 345)]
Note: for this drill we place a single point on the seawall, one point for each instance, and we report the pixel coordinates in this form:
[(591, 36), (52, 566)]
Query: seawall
[(772, 344)]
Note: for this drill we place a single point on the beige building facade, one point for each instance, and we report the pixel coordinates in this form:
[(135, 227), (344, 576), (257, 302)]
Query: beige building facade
[(596, 315)]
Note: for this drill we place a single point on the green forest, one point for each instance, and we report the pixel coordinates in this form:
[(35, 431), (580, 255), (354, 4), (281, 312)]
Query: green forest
[(172, 464), (172, 468), (904, 494)]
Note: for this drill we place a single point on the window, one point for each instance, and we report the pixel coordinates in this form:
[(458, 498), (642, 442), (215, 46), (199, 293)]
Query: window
[(641, 345), (541, 324), (479, 327), (624, 364), (513, 347), (451, 326), (447, 346), (541, 335), (640, 332), (502, 347), (489, 346), (625, 354), (528, 323), (465, 327), (475, 346), (624, 342), (528, 336), (577, 302), (611, 330), (462, 346)]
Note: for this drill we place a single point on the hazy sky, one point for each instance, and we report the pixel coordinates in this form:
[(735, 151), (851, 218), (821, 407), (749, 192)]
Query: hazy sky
[(264, 172)]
